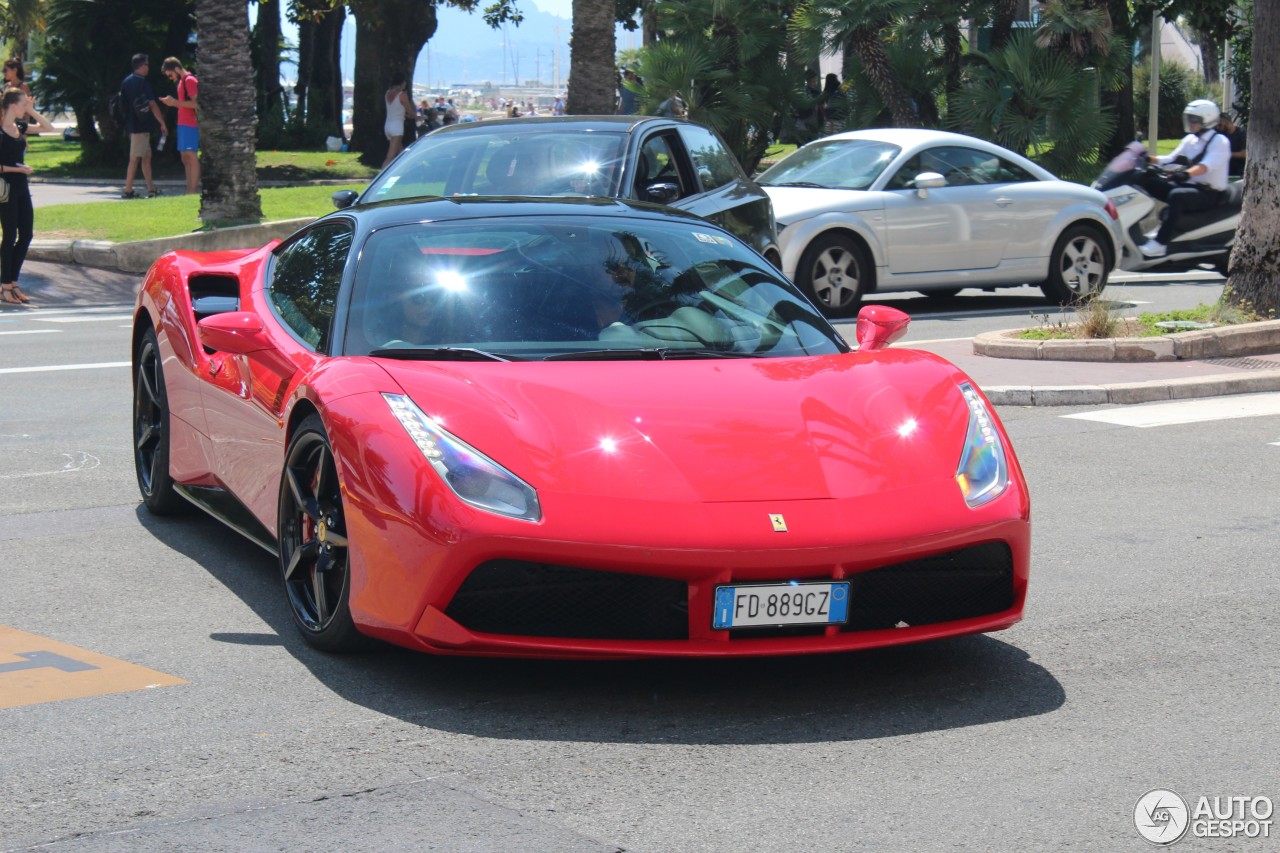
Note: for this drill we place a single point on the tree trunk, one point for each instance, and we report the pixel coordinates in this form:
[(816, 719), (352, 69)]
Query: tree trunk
[(228, 124), (865, 42), (266, 67), (952, 57), (389, 36), (1120, 103), (1255, 260), (319, 86), (648, 23), (1211, 56), (593, 79), (1003, 16)]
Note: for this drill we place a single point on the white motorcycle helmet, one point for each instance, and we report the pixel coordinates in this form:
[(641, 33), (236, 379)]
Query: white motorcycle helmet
[(1203, 112)]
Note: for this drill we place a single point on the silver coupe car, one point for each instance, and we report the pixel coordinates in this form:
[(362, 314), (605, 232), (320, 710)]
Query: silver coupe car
[(900, 210)]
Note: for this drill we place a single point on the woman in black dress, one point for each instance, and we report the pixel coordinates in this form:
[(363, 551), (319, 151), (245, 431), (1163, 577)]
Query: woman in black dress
[(16, 215)]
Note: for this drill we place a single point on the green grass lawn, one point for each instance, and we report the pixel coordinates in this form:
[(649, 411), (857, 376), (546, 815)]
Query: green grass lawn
[(50, 157), (168, 216)]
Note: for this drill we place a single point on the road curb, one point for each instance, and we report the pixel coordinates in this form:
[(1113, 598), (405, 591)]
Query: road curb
[(137, 257), (1257, 338), (1127, 393)]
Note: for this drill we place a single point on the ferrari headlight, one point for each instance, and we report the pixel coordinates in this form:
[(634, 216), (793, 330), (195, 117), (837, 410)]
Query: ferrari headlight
[(473, 477), (984, 471)]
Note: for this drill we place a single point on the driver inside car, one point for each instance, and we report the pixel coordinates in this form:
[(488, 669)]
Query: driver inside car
[(423, 305), (1206, 153)]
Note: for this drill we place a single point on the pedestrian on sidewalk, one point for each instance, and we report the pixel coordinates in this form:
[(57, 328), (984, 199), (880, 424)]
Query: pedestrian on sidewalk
[(16, 214), (398, 106), (141, 115), (188, 123), (15, 76)]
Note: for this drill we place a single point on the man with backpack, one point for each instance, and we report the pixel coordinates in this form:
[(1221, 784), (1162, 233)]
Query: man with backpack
[(140, 114)]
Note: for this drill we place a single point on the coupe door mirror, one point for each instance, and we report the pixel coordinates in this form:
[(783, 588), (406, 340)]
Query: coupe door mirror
[(242, 333), (879, 326), (926, 181), (236, 333), (344, 198), (663, 193)]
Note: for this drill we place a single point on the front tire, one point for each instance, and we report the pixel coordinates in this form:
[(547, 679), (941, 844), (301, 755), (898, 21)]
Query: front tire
[(312, 542), (151, 431), (1078, 267), (835, 272)]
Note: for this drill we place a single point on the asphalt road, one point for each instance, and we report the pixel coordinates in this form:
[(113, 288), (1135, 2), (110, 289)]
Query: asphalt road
[(1147, 660)]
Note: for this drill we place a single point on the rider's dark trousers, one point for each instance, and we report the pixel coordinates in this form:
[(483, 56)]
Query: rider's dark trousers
[(1181, 198)]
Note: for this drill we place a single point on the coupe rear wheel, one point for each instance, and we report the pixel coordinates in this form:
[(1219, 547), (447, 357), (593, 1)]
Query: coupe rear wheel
[(1078, 267), (151, 431), (313, 542), (835, 272)]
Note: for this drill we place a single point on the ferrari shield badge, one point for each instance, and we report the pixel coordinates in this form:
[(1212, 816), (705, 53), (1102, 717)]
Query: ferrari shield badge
[(779, 523)]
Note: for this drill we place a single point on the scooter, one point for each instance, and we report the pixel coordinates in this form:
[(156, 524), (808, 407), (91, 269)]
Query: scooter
[(1207, 235)]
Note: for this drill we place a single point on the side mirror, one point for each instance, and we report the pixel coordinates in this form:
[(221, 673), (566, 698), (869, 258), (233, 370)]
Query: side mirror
[(242, 333), (344, 198), (663, 193), (235, 332), (926, 181), (879, 326)]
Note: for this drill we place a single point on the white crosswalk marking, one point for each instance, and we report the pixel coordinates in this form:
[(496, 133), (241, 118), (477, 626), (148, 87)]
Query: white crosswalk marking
[(67, 319), (54, 367), (1188, 411)]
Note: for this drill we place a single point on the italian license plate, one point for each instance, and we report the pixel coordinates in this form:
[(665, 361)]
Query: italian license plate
[(781, 604)]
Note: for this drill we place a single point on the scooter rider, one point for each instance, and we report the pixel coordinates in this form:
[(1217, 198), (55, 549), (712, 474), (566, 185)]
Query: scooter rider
[(1207, 155)]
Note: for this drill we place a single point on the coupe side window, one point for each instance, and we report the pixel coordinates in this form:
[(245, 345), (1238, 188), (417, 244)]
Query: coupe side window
[(304, 287), (714, 163), (658, 164)]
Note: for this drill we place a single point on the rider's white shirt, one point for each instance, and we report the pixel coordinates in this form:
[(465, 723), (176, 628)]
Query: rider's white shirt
[(1218, 159)]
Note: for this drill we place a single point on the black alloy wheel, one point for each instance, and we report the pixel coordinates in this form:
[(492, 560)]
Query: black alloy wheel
[(151, 431), (313, 542)]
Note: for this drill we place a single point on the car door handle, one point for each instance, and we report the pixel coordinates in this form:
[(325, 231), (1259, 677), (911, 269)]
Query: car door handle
[(1003, 202)]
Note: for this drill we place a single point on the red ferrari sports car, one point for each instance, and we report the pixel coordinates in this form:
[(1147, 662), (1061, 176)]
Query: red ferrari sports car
[(571, 428)]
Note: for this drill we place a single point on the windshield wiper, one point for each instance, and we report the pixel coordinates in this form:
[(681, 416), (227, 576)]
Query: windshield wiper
[(439, 354), (800, 184), (645, 354)]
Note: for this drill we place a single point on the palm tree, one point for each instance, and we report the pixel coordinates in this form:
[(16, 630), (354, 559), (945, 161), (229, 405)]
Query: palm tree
[(18, 20), (855, 26), (1030, 99), (228, 124), (593, 81)]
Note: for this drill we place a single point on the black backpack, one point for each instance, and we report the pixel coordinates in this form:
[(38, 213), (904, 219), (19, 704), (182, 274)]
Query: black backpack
[(115, 107)]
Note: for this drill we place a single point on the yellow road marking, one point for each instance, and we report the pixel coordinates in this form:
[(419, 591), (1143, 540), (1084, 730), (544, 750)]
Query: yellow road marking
[(35, 669)]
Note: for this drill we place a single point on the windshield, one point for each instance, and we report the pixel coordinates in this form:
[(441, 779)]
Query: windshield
[(846, 164), (597, 287), (475, 161)]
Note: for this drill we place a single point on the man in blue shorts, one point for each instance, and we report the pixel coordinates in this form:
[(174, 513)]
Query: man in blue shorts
[(188, 124)]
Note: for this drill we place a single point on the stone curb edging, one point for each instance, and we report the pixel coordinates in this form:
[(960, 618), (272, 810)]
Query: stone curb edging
[(138, 257), (1124, 393), (1224, 342)]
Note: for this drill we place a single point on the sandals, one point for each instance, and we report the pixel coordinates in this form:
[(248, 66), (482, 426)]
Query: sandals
[(11, 294)]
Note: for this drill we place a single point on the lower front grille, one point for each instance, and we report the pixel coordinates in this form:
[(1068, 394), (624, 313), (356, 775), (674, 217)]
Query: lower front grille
[(543, 600), (975, 581)]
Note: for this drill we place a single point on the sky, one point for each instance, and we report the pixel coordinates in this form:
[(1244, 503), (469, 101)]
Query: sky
[(466, 51), (561, 8)]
